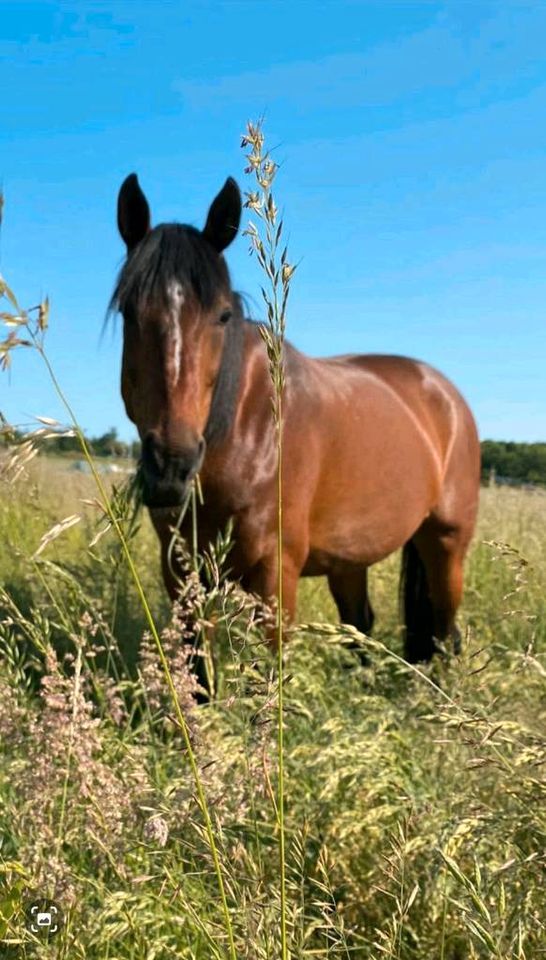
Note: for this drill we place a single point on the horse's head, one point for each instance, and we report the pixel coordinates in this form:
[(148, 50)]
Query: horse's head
[(175, 296)]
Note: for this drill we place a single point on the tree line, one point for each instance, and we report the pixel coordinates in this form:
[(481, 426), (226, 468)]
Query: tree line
[(505, 460), (106, 445), (516, 462)]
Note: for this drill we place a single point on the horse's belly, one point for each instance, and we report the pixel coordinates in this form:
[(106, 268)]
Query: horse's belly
[(365, 532), (326, 558)]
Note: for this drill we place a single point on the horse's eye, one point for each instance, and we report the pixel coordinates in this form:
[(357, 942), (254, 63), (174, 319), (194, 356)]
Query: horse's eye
[(226, 316)]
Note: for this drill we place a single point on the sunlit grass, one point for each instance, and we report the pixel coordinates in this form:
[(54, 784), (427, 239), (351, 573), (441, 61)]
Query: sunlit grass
[(414, 809)]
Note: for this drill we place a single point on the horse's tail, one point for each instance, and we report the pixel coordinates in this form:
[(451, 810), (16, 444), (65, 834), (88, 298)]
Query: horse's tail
[(417, 611)]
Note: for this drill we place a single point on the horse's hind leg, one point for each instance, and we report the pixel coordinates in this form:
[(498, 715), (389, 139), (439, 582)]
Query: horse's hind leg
[(349, 588), (437, 584)]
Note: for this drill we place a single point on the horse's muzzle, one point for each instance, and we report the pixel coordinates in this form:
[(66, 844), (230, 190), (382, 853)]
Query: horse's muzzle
[(166, 475)]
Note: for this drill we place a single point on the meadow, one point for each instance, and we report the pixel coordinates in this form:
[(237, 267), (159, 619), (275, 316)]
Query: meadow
[(318, 806), (414, 798)]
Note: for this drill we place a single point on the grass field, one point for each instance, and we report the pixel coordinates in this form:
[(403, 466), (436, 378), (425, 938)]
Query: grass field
[(415, 800)]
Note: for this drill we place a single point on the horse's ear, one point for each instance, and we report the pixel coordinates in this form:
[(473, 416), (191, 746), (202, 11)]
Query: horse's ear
[(224, 216), (133, 212)]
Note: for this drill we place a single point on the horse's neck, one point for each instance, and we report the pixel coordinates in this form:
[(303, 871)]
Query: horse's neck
[(248, 447)]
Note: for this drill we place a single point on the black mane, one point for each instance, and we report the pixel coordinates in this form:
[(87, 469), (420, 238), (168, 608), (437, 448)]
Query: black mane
[(175, 252), (226, 388)]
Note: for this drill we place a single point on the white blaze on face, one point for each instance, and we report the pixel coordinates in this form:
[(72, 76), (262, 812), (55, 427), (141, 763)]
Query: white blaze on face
[(176, 301)]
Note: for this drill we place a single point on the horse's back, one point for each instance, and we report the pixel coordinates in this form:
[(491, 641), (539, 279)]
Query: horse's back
[(419, 391)]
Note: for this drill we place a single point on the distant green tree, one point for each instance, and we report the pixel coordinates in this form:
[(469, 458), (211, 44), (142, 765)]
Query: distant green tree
[(108, 445), (519, 462)]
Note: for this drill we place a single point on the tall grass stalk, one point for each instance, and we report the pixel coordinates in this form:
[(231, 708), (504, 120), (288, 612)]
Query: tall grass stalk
[(73, 719), (265, 243), (22, 320)]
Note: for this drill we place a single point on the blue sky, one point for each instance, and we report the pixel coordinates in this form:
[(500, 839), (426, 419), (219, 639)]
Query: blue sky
[(412, 139)]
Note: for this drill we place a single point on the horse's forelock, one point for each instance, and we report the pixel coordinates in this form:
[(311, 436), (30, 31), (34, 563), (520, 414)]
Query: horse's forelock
[(170, 254)]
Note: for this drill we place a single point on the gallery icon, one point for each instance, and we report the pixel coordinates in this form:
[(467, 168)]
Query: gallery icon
[(44, 918)]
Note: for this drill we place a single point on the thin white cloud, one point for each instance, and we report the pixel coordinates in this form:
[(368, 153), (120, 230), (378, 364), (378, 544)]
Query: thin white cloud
[(444, 56)]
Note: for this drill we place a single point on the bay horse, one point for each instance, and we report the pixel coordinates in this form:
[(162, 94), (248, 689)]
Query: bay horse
[(380, 452)]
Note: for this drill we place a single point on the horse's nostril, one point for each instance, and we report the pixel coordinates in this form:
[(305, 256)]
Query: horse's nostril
[(153, 455), (166, 469)]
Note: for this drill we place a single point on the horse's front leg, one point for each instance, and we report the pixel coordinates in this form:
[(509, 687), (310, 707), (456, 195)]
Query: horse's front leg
[(263, 580)]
